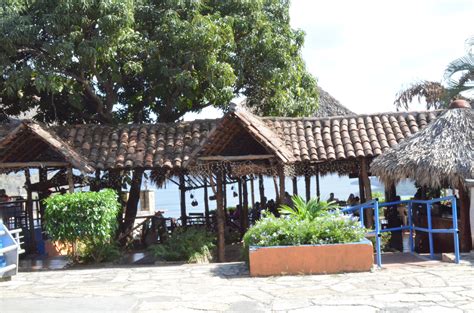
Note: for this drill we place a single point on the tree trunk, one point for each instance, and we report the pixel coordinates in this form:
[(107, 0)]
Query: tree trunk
[(43, 193), (464, 218), (132, 203), (220, 219)]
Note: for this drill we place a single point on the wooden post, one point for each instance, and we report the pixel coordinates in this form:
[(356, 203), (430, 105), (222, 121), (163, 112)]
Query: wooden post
[(295, 185), (318, 191), (307, 184), (206, 204), (239, 183), (364, 175), (70, 179), (464, 222), (220, 219), (244, 214), (252, 191), (392, 217), (361, 189), (281, 176), (182, 188), (224, 195), (261, 189), (42, 194), (29, 211)]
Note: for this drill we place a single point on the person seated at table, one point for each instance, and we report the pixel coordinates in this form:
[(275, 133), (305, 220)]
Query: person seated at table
[(331, 198), (351, 199), (356, 200), (3, 196)]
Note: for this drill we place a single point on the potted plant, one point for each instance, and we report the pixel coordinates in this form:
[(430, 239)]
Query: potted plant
[(311, 237)]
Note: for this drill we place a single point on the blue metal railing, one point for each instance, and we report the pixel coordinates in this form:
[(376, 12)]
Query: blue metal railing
[(375, 205)]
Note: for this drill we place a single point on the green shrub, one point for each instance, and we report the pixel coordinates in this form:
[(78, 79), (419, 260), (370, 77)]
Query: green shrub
[(192, 245), (384, 241), (88, 219), (329, 228), (307, 210)]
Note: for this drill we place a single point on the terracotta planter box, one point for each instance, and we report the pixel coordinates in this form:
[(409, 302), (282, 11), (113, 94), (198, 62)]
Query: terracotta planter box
[(311, 259)]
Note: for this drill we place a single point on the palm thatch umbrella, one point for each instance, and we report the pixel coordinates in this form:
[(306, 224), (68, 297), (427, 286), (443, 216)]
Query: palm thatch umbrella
[(440, 155)]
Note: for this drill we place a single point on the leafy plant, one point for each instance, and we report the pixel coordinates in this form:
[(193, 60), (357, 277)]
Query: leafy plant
[(193, 245), (303, 210), (329, 228), (88, 218), (384, 241)]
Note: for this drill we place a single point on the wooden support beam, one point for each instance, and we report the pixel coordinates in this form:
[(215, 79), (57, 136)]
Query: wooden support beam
[(252, 191), (43, 178), (224, 194), (364, 174), (295, 185), (70, 179), (244, 214), (239, 184), (307, 184), (206, 204), (22, 165), (281, 175), (182, 189), (464, 219), (29, 211), (261, 189), (220, 219), (236, 158), (318, 190)]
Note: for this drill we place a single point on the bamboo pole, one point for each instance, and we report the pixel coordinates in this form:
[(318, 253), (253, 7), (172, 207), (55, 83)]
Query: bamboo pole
[(220, 219)]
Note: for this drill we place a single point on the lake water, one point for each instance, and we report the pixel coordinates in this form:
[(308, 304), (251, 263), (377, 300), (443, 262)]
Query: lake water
[(167, 199)]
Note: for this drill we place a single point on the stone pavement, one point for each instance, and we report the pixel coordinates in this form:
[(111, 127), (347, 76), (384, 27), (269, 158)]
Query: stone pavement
[(434, 287)]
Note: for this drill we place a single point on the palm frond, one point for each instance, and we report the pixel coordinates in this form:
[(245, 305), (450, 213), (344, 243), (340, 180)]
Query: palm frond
[(434, 94)]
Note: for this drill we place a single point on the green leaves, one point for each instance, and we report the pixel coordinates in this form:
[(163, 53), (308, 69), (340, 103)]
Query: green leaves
[(307, 210), (193, 245), (87, 217), (330, 228), (110, 61)]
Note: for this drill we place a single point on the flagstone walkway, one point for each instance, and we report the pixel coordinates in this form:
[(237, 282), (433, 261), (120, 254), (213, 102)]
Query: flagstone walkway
[(438, 287)]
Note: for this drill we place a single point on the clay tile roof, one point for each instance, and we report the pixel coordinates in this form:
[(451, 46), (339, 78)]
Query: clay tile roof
[(344, 137), (128, 146)]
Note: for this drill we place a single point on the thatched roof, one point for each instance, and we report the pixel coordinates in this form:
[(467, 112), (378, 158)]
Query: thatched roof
[(441, 154), (329, 106)]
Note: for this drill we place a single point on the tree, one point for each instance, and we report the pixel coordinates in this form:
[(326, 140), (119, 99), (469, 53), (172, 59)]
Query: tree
[(98, 61), (120, 61), (458, 83)]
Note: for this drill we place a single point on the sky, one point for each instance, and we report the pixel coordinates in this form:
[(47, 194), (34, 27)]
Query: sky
[(363, 52)]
